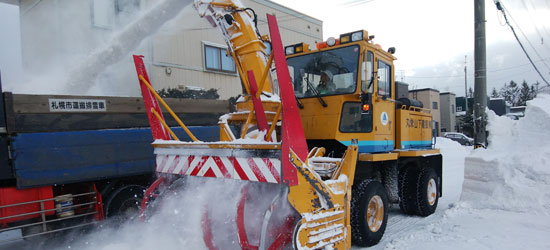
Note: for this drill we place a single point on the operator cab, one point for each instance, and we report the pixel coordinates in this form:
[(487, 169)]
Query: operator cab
[(338, 67), (356, 103)]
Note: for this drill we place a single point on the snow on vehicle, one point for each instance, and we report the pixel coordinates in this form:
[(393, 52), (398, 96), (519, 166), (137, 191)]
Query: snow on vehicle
[(380, 149)]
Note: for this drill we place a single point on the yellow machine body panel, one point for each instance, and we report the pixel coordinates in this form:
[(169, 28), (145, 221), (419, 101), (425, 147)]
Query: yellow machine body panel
[(415, 129)]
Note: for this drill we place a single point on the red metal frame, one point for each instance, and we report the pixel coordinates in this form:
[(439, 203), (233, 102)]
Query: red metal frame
[(283, 233), (292, 131), (258, 107), (12, 195), (148, 195), (150, 102), (207, 231), (241, 230), (98, 205)]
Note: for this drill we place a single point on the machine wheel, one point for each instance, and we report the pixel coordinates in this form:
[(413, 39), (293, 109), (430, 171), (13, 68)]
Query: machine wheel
[(427, 192), (407, 189), (124, 202), (369, 213), (418, 191)]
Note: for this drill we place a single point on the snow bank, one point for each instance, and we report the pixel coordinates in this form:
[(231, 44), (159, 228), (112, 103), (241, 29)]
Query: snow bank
[(513, 173), (453, 169)]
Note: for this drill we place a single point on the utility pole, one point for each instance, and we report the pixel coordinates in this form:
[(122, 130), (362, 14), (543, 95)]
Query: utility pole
[(480, 83), (465, 86)]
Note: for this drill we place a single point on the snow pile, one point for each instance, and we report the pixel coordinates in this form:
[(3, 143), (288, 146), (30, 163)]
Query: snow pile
[(453, 169), (513, 173)]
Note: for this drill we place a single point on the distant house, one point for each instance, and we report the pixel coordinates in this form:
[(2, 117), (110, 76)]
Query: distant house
[(431, 100), (448, 112), (499, 106)]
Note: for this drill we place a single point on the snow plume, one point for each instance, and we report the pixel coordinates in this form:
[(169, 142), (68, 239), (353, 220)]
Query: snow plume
[(177, 217), (84, 75), (513, 173), (84, 58)]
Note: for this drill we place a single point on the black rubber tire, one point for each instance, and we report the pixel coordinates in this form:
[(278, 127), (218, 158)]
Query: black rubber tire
[(424, 208), (362, 194), (122, 202), (407, 189), (413, 190)]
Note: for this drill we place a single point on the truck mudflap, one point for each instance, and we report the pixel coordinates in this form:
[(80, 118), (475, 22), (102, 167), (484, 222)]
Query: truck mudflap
[(37, 212)]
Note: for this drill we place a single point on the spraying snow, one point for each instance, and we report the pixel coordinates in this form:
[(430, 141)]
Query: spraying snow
[(177, 219), (83, 75)]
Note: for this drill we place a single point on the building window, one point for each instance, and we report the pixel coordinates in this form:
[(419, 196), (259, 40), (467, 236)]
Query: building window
[(452, 108), (216, 59), (102, 14), (127, 6), (434, 105)]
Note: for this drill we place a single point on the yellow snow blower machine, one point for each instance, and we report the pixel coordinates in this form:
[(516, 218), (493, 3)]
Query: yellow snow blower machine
[(339, 152)]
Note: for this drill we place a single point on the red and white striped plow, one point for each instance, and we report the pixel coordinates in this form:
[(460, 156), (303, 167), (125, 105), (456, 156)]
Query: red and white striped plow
[(260, 169)]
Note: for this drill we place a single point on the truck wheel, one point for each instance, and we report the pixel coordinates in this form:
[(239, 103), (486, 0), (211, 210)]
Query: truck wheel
[(418, 191), (427, 192), (369, 213), (407, 189), (124, 202)]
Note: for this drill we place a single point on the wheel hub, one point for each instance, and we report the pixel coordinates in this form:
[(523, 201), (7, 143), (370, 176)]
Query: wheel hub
[(432, 192), (375, 213)]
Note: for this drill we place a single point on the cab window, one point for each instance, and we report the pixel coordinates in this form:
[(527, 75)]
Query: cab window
[(384, 79), (366, 73), (353, 120), (330, 72)]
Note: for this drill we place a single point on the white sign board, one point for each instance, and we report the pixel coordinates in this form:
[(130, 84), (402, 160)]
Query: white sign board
[(77, 105)]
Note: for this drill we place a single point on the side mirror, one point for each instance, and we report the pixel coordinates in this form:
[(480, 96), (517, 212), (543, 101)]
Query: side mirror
[(366, 103)]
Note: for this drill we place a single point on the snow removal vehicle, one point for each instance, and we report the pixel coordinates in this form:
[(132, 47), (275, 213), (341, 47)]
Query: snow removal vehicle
[(338, 155)]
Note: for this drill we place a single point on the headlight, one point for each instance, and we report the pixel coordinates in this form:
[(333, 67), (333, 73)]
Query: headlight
[(289, 50), (331, 41), (357, 36)]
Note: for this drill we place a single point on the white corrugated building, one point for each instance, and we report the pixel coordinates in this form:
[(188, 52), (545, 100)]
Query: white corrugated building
[(188, 53)]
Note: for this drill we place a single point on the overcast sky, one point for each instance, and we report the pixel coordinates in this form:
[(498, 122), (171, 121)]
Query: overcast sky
[(10, 42), (431, 37)]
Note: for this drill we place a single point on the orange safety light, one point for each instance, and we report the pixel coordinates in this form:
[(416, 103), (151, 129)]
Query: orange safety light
[(366, 107), (322, 45)]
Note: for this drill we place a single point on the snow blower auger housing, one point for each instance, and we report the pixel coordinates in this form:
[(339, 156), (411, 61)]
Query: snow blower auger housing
[(381, 148)]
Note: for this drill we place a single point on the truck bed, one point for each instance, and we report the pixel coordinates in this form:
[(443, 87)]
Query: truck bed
[(76, 156), (61, 139)]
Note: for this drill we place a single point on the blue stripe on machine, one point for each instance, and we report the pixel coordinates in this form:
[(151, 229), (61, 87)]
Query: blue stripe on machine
[(415, 144), (372, 146)]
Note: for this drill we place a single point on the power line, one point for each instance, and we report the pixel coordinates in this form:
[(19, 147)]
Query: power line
[(527, 7), (499, 7), (521, 31), (353, 3), (513, 67), (493, 70)]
